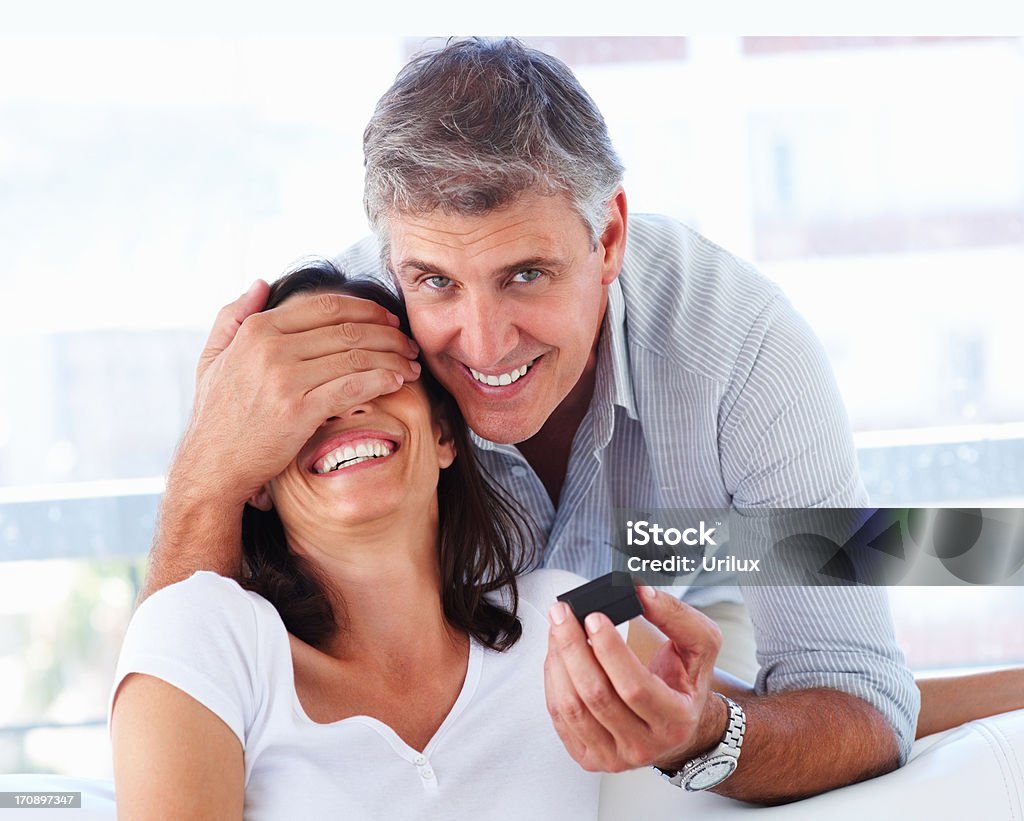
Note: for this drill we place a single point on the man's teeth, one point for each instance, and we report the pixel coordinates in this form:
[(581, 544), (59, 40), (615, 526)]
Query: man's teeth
[(349, 455), (501, 379)]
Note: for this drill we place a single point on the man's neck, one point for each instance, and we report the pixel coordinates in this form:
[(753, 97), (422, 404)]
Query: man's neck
[(549, 449)]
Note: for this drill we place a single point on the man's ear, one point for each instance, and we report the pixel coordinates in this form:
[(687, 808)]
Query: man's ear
[(261, 499), (612, 242)]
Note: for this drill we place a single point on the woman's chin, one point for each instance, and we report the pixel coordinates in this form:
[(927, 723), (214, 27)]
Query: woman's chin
[(379, 490), (356, 505)]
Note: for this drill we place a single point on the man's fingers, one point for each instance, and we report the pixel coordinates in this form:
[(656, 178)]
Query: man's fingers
[(317, 372), (339, 395), (304, 312), (349, 336), (592, 745), (564, 705), (646, 695), (229, 320), (591, 683)]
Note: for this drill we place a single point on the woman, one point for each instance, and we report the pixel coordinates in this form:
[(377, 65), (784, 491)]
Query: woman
[(383, 661)]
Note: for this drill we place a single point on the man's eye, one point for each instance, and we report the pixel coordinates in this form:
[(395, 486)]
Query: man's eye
[(438, 283), (530, 275)]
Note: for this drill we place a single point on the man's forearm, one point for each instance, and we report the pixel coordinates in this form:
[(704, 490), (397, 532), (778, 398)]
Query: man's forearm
[(948, 702), (804, 742), (195, 531)]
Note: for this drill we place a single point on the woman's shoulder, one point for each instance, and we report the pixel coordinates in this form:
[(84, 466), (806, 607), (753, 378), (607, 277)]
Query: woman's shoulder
[(204, 595), (542, 587), (205, 610), (207, 636)]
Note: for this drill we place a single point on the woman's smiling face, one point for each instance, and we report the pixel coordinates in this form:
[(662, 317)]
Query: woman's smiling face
[(379, 460)]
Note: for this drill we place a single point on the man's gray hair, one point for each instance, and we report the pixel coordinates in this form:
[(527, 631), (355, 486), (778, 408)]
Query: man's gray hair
[(472, 126)]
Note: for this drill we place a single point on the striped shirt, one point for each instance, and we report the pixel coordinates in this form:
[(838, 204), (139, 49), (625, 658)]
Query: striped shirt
[(711, 392)]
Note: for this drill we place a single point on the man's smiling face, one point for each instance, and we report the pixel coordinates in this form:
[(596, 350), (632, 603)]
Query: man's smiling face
[(507, 306)]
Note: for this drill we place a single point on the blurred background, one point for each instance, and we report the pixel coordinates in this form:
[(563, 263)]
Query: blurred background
[(145, 181)]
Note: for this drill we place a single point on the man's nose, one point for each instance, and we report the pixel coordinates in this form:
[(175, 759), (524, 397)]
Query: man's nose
[(488, 331)]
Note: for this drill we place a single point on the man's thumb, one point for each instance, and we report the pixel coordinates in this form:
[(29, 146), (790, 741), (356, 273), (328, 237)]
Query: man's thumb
[(683, 624)]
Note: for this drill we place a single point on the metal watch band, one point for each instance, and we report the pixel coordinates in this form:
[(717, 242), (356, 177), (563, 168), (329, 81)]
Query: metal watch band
[(712, 768), (737, 725)]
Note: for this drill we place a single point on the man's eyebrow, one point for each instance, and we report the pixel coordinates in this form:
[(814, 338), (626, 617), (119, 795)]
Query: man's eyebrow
[(413, 264), (420, 266)]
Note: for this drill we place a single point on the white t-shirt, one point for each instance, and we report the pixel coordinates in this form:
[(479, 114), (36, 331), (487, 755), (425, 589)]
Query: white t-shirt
[(495, 756)]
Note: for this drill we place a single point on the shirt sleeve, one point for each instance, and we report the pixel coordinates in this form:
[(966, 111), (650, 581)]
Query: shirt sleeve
[(784, 434), (835, 637), (199, 635), (786, 443)]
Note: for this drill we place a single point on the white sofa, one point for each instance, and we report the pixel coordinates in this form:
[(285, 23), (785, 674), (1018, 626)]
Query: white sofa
[(971, 772)]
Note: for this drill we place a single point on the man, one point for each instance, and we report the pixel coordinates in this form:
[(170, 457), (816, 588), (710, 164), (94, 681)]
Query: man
[(596, 375)]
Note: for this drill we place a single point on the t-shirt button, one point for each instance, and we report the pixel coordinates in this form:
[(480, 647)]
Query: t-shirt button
[(420, 760), (518, 471), (427, 773)]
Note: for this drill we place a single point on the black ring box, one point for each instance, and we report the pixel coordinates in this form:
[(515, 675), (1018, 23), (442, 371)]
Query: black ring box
[(612, 594)]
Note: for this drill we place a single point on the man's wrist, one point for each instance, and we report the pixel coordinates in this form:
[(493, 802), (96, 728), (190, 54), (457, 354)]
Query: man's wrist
[(205, 496), (195, 478), (707, 770), (713, 723)]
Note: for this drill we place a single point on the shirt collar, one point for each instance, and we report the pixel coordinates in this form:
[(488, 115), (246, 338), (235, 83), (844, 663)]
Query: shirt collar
[(615, 331)]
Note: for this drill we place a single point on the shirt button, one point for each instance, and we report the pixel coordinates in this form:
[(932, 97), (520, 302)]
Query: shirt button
[(427, 773), (420, 760), (518, 471)]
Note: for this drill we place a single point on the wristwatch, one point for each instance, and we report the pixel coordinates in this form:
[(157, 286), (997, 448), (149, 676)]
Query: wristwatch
[(712, 768)]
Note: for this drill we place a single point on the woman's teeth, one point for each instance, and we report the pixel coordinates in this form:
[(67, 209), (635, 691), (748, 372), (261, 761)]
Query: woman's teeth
[(349, 455), (501, 379)]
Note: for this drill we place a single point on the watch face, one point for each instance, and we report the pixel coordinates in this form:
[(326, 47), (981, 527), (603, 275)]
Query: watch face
[(711, 772)]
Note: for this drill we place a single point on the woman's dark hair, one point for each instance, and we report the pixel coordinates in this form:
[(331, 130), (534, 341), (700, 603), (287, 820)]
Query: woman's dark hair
[(485, 538)]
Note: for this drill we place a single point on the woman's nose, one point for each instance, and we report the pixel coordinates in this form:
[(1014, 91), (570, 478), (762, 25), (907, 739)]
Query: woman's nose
[(362, 407)]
